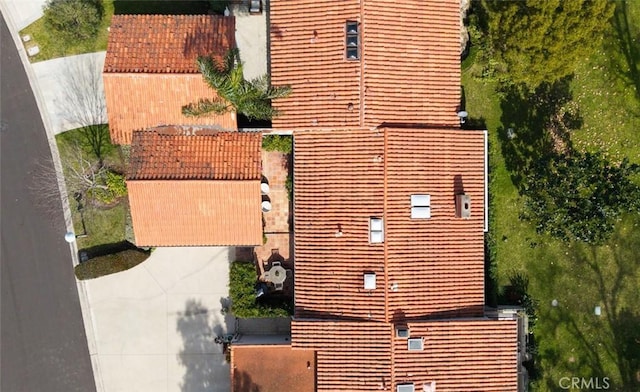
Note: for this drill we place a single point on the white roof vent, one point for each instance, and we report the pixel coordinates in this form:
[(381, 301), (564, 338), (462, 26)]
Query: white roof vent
[(370, 281), (463, 206), (405, 388), (429, 387), (420, 206), (376, 231), (415, 344)]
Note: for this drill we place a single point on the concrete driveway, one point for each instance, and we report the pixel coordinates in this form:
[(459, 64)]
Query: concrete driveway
[(155, 324)]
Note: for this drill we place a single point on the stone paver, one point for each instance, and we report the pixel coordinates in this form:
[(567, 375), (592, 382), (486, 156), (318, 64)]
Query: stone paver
[(155, 324), (277, 230)]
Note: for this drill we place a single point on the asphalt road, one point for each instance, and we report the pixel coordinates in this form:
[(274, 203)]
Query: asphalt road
[(43, 346)]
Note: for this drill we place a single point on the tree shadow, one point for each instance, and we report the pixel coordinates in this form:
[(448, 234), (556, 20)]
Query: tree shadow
[(526, 118), (242, 382), (627, 45), (607, 345), (203, 358)]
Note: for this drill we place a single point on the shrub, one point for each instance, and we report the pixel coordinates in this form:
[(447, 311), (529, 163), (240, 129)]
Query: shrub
[(281, 143), (110, 264), (116, 184), (218, 6), (242, 283), (73, 19)]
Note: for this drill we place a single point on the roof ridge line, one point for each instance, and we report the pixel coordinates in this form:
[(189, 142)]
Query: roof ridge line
[(385, 255)]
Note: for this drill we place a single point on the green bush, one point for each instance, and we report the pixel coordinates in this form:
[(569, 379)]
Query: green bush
[(218, 6), (116, 184), (242, 282), (110, 264), (73, 19), (281, 143)]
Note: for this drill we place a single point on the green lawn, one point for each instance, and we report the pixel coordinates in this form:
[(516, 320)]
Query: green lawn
[(572, 341), (51, 46), (104, 225)]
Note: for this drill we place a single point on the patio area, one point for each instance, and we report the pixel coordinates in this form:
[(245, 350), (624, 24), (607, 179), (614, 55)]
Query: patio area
[(277, 228)]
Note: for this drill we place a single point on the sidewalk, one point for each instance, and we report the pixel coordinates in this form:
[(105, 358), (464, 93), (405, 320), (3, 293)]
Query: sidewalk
[(22, 12)]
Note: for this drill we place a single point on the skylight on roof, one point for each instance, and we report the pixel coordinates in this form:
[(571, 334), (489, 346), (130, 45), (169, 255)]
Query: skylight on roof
[(420, 206), (415, 344), (376, 230), (405, 388), (352, 40)]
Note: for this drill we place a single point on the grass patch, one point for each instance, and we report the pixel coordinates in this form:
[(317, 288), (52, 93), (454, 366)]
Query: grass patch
[(104, 224), (111, 263), (571, 340), (243, 278), (52, 46)]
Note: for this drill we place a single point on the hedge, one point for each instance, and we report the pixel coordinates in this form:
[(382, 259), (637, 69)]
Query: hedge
[(110, 264)]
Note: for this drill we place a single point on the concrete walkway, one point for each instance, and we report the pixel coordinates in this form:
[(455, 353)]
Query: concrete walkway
[(155, 324), (23, 12), (251, 39), (73, 90)]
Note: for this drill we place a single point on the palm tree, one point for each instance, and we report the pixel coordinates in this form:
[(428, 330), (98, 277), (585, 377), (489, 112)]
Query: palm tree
[(251, 98)]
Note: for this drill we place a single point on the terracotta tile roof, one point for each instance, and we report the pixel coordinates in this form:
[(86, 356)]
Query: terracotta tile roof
[(190, 186), (436, 265), (408, 72), (137, 101), (272, 368), (166, 43), (459, 355), (184, 153), (350, 355), (195, 212)]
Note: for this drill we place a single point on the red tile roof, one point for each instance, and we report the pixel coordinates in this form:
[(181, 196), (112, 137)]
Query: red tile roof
[(408, 72), (350, 355), (150, 70), (166, 43), (186, 153), (272, 368), (458, 355), (190, 187), (137, 101), (343, 178), (195, 212)]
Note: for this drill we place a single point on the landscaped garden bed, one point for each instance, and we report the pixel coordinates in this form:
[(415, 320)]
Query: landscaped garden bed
[(245, 302)]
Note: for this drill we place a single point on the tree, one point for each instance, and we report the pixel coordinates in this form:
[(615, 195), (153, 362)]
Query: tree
[(251, 98), (580, 196), (544, 40), (73, 19), (83, 105)]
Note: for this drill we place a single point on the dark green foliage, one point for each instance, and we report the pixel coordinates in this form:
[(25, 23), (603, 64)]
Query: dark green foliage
[(218, 6), (162, 7), (281, 143), (251, 98), (73, 19), (579, 196), (243, 278), (543, 40), (110, 264)]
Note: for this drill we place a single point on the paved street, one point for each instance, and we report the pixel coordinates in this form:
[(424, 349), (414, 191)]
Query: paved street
[(44, 347)]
